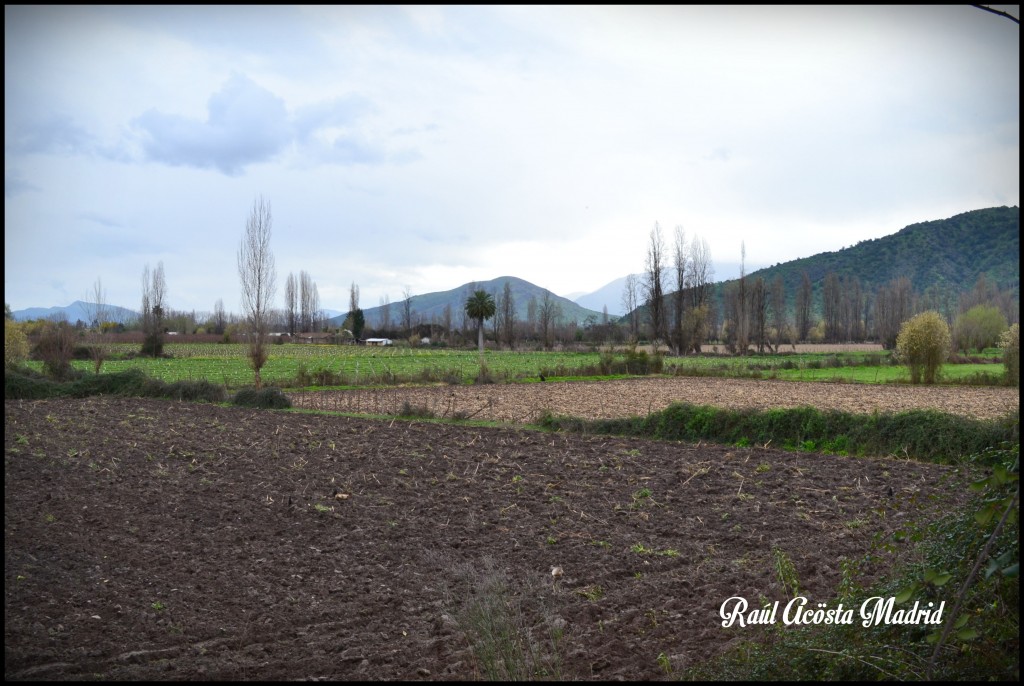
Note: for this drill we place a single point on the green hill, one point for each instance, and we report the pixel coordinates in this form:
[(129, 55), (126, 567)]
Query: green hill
[(945, 256)]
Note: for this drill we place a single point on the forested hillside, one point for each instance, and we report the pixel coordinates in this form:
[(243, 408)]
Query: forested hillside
[(945, 256)]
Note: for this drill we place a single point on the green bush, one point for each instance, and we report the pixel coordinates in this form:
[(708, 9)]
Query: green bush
[(979, 327), (266, 398), (923, 345), (22, 383)]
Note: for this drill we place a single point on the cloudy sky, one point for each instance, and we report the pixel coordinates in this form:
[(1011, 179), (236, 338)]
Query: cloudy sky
[(426, 147)]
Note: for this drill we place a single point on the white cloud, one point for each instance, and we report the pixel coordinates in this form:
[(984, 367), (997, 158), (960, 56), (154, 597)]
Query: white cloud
[(429, 146)]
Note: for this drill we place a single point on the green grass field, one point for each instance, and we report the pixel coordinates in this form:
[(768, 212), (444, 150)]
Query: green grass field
[(227, 364)]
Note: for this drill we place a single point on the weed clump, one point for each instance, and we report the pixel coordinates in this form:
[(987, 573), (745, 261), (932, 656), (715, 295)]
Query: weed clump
[(415, 411), (266, 398)]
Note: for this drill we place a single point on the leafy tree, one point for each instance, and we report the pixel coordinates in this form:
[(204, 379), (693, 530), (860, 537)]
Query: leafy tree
[(979, 327), (1010, 343), (15, 343), (358, 323), (480, 306), (923, 345)]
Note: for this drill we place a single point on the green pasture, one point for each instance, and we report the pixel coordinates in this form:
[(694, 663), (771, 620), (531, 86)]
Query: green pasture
[(227, 364)]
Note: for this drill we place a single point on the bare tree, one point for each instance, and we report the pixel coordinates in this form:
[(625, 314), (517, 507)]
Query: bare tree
[(803, 307), (316, 313), (853, 309), (759, 313), (548, 313), (385, 313), (778, 305), (531, 315), (893, 306), (700, 279), (291, 303), (407, 310), (630, 301), (702, 272), (680, 261), (831, 307), (353, 297), (219, 319), (154, 294), (508, 316), (258, 276), (306, 310), (653, 294), (95, 306), (446, 321), (742, 296), (96, 311)]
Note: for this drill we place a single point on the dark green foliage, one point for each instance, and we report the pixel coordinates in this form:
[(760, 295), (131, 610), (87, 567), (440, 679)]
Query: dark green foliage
[(920, 434), (194, 391), (82, 352), (358, 323), (23, 384), (266, 398), (153, 345)]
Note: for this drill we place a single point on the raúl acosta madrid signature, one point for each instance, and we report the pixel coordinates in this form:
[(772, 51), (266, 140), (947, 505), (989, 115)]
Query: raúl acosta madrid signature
[(799, 611)]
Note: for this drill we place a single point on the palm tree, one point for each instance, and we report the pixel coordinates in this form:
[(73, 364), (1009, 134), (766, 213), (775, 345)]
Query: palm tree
[(480, 306)]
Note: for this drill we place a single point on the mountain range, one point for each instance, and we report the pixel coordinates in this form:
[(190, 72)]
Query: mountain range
[(945, 255), (431, 306)]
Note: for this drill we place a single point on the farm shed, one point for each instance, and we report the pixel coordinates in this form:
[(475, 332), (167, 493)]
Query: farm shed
[(378, 341)]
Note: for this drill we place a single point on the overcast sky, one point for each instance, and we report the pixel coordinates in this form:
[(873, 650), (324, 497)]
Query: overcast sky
[(426, 147)]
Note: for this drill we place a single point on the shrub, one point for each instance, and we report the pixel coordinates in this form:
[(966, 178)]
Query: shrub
[(979, 327), (1010, 343), (486, 376), (413, 411), (196, 391), (15, 343), (266, 398), (153, 345), (923, 344), (25, 384), (22, 383), (56, 348)]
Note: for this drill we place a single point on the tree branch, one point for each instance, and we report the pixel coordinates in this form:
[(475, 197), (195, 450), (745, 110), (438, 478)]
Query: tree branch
[(1000, 13)]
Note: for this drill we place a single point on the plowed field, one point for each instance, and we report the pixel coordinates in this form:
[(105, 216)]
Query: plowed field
[(146, 539), (631, 397)]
